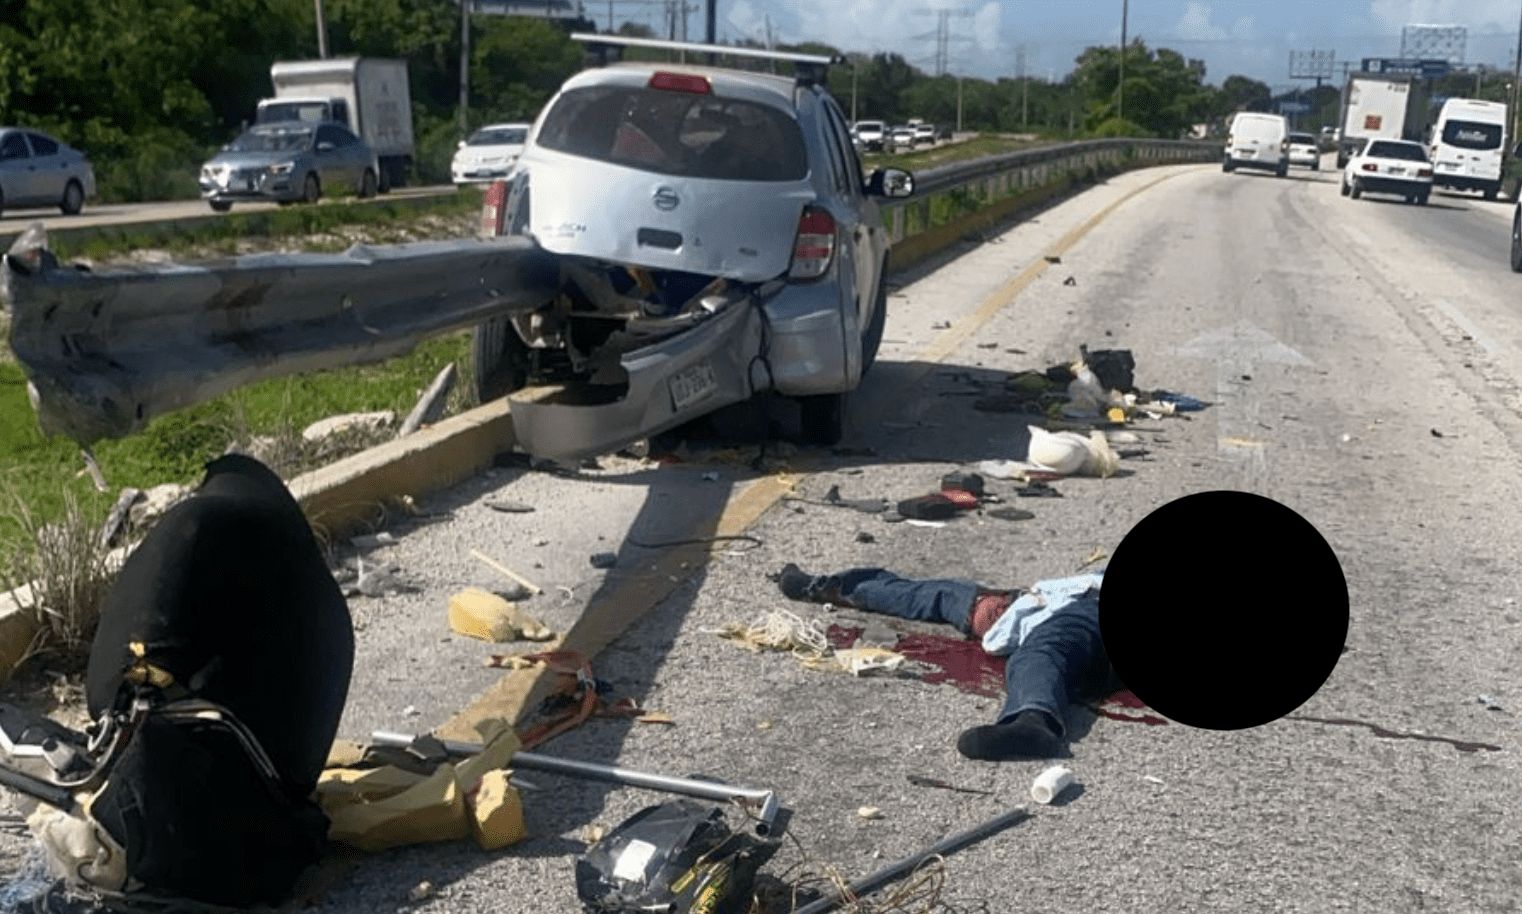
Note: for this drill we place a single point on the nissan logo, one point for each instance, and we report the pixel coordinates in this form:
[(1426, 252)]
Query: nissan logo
[(666, 199)]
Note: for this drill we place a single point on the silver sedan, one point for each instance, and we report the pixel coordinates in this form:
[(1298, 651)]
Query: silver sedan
[(37, 170)]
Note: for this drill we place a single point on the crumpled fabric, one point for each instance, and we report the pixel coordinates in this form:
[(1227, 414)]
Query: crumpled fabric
[(1044, 600)]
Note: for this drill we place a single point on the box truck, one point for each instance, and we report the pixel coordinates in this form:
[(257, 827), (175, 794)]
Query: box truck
[(1374, 107), (368, 94)]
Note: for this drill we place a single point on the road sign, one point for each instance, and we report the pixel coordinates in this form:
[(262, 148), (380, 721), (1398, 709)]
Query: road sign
[(1393, 66), (1293, 108)]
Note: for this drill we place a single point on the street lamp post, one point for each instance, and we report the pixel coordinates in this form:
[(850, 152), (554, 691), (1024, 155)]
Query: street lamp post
[(322, 32), (464, 65), (1125, 16)]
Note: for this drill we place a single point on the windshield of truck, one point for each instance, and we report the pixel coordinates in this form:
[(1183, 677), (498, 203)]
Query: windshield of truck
[(677, 133), (1472, 135), (1385, 150), (272, 141), (304, 112), (499, 136)]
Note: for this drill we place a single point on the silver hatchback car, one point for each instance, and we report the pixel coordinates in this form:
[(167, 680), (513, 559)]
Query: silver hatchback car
[(717, 238), (37, 170)]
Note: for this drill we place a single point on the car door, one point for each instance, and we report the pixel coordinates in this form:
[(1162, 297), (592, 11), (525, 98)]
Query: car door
[(52, 167), (331, 158), (20, 172), (356, 155), (867, 235)]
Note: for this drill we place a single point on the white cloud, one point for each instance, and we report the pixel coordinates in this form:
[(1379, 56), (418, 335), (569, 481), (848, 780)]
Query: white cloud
[(1393, 14), (907, 29), (1198, 24)]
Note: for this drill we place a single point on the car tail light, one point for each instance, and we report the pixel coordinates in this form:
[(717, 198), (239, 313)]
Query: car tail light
[(494, 210), (681, 82), (1370, 166), (1284, 146), (1424, 173), (814, 247)]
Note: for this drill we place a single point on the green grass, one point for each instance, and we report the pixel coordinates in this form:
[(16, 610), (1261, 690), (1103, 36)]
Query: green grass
[(974, 148)]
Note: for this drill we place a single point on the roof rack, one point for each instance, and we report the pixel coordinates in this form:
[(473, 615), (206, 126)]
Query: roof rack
[(809, 68)]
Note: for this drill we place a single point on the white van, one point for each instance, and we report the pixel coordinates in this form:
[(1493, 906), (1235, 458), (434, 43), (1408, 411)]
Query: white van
[(1467, 145), (1257, 141)]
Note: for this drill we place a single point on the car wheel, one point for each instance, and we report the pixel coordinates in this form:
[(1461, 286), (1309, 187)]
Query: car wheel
[(2, 202), (73, 199), (872, 340), (1356, 191), (824, 418), (367, 185), (311, 190), (498, 360), (1282, 171), (1516, 243), (221, 206), (1227, 166), (1422, 199), (1315, 166), (1344, 187)]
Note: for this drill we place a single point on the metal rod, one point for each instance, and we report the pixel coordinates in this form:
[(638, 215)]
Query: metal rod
[(464, 66), (896, 871), (1125, 17), (658, 45), (590, 771), (37, 789), (322, 32)]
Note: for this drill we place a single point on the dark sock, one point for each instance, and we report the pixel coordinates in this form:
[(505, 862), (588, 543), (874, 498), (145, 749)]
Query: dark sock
[(1031, 735), (795, 582)]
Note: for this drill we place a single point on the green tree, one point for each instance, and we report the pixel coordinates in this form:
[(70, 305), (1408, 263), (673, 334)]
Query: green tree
[(516, 65), (1164, 92)]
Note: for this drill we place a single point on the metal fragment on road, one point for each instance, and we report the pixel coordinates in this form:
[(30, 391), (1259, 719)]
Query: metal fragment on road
[(107, 351)]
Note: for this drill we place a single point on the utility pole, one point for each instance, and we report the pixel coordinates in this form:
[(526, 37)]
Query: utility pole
[(610, 17), (464, 66), (854, 68), (959, 104), (1516, 81), (1125, 16), (713, 28), (322, 32), (1025, 89)]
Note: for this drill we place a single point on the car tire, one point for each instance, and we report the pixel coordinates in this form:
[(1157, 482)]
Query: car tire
[(872, 340), (1355, 191), (73, 199), (2, 202), (1315, 166), (499, 361), (1422, 199), (1492, 192), (1282, 171), (1516, 242), (824, 418), (367, 185), (1228, 167), (220, 206), (311, 189), (1344, 186)]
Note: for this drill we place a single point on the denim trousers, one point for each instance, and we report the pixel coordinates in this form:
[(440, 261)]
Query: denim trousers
[(1061, 660)]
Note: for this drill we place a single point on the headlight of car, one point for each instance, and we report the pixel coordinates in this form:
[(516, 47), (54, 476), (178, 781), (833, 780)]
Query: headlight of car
[(283, 168)]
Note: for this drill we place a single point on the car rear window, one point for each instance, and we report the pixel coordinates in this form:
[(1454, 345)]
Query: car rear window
[(1472, 135), (1303, 139), (1408, 151), (677, 133)]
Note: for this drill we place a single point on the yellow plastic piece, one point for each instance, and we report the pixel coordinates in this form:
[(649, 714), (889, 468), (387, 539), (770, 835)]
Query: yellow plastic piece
[(496, 813), (478, 614)]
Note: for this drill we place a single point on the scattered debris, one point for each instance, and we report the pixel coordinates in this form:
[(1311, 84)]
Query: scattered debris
[(936, 506), (93, 468), (1490, 703), (422, 891), (863, 536), (860, 660), (156, 502), (655, 717), (988, 345), (507, 506), (1347, 439), (941, 325), (869, 812), (373, 541), (919, 780), (763, 725), (1097, 555), (927, 524), (1150, 779), (711, 476), (488, 617), (1070, 281), (381, 581), (780, 630), (1037, 489), (963, 482), (604, 560), (333, 425), (498, 567), (1053, 258), (430, 406), (1181, 402), (1113, 368), (1437, 434), (1050, 784), (118, 519), (411, 711), (1011, 514)]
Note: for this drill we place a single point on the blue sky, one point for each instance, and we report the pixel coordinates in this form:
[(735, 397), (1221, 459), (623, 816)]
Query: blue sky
[(1232, 36)]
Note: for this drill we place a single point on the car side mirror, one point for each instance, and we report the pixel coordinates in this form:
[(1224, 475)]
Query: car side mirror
[(891, 182)]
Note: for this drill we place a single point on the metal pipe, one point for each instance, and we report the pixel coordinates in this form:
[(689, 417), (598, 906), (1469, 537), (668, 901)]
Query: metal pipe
[(768, 801), (896, 871), (322, 31), (37, 789)]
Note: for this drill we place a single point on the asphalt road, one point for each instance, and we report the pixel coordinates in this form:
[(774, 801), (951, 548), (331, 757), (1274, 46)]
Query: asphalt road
[(1335, 336), (16, 219)]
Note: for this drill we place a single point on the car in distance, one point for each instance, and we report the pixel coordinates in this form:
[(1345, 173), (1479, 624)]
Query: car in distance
[(871, 134), (37, 170), (924, 134), (289, 162), (1259, 141), (901, 137), (1304, 150), (1389, 167), (488, 153)]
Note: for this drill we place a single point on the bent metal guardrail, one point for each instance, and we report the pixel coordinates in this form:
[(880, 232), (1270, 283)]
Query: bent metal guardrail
[(942, 194)]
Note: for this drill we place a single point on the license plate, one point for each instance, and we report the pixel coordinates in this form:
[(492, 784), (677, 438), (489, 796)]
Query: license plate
[(692, 384), (1397, 171), (1249, 153)]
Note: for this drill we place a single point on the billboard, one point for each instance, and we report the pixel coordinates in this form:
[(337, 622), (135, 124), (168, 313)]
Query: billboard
[(1434, 42)]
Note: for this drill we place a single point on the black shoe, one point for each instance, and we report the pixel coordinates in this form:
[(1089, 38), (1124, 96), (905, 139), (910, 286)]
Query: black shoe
[(796, 583), (1031, 735)]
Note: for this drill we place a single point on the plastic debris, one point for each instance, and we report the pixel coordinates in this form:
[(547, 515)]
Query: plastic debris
[(1050, 784), (1062, 452), (860, 660), (655, 717), (422, 891), (1181, 402), (1096, 556), (488, 617), (507, 506), (1490, 703), (869, 812)]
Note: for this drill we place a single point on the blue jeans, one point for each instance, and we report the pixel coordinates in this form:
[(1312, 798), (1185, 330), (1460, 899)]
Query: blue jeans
[(1061, 660)]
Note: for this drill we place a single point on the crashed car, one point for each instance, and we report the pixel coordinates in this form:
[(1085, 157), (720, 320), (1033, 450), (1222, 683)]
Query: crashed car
[(672, 240), (717, 238)]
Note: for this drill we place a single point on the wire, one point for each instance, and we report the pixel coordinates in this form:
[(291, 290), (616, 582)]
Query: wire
[(756, 541), (764, 357)]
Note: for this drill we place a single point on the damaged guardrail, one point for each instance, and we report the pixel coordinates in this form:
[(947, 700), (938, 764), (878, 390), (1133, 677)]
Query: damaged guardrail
[(106, 352)]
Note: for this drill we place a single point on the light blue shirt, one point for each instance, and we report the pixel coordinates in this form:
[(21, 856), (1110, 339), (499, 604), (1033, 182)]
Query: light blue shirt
[(1045, 599)]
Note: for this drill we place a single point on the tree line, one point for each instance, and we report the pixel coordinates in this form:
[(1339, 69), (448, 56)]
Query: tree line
[(149, 88)]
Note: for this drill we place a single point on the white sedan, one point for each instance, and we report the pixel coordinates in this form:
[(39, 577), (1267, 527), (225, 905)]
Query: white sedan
[(489, 153), (1389, 167), (1304, 151)]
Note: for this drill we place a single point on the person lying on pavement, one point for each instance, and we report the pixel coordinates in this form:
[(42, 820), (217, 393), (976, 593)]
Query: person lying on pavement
[(1049, 634)]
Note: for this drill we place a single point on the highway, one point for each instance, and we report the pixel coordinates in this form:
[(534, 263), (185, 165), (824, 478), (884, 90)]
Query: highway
[(15, 219), (1362, 359)]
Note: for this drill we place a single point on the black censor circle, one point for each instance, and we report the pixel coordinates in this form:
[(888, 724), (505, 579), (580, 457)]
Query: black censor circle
[(1224, 610)]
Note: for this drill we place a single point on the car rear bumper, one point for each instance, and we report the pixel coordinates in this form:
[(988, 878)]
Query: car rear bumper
[(1465, 182), (1388, 185), (1265, 163)]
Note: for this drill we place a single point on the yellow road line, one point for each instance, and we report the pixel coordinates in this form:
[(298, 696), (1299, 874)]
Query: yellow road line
[(610, 615)]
